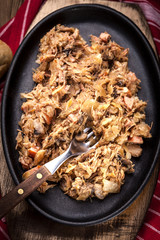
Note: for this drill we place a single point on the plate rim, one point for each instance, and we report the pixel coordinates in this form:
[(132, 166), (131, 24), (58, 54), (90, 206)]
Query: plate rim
[(3, 107)]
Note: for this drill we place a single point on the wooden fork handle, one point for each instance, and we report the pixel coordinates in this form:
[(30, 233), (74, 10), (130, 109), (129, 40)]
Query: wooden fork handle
[(21, 191)]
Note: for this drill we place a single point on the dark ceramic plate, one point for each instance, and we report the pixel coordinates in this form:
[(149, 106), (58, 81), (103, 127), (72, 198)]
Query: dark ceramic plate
[(90, 19)]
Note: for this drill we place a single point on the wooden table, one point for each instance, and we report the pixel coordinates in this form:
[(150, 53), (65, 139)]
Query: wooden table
[(8, 9), (24, 222)]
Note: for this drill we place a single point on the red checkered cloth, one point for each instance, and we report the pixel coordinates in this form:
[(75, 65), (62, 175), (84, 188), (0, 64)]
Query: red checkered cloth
[(13, 33)]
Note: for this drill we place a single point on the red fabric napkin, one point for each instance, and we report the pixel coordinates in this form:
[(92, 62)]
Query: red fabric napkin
[(13, 33)]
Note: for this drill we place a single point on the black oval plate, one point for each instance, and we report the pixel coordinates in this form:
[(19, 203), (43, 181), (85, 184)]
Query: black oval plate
[(90, 19)]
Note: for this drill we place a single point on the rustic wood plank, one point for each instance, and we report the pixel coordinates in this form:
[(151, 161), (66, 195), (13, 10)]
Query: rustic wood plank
[(8, 9), (24, 222)]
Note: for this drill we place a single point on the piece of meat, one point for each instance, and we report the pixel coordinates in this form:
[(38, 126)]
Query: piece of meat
[(32, 151), (129, 101), (135, 150), (105, 37), (136, 139)]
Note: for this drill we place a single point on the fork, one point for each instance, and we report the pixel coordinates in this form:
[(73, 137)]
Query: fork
[(26, 187)]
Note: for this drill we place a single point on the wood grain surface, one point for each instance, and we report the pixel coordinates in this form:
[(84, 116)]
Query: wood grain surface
[(25, 223), (8, 9)]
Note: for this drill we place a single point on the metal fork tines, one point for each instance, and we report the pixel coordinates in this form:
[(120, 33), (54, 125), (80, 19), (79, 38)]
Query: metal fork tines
[(83, 142), (77, 147)]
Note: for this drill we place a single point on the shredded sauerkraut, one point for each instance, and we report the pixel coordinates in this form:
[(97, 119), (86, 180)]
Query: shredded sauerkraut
[(78, 85)]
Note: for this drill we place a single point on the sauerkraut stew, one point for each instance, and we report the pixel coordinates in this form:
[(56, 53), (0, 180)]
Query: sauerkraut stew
[(78, 85)]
